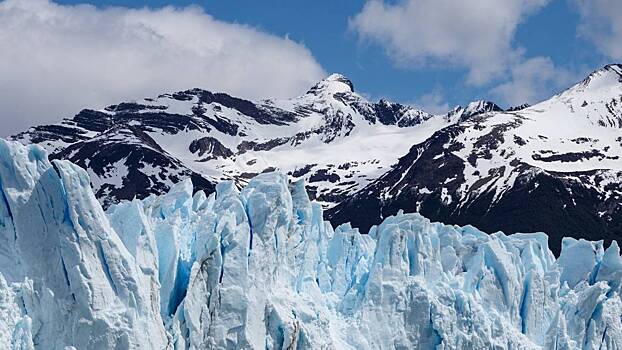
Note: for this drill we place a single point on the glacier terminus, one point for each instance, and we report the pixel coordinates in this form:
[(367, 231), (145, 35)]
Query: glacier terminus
[(259, 268)]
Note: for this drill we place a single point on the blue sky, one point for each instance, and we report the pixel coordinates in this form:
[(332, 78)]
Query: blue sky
[(322, 26), (431, 53)]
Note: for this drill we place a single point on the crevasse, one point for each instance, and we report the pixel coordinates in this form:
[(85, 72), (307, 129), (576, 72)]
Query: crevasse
[(260, 269)]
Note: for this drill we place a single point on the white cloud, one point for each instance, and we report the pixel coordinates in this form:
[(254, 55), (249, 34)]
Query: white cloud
[(472, 34), (531, 80), (432, 102), (601, 23), (55, 59)]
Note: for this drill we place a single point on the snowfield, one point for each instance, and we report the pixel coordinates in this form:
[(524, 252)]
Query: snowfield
[(260, 269)]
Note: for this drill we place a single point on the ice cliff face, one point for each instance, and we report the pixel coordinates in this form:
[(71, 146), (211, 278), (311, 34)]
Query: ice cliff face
[(260, 269)]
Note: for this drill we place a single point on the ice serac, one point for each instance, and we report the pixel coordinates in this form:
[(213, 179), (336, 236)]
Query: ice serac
[(70, 279), (259, 268)]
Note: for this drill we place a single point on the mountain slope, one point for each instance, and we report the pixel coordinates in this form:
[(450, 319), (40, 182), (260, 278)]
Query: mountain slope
[(260, 269), (555, 167)]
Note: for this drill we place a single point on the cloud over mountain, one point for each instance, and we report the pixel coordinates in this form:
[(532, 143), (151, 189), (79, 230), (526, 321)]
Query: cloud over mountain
[(473, 34), (51, 54), (601, 23), (532, 79)]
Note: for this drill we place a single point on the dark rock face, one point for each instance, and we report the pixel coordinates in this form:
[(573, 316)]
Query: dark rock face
[(261, 146), (323, 175), (555, 205), (209, 147), (115, 147), (572, 156), (519, 107), (140, 166)]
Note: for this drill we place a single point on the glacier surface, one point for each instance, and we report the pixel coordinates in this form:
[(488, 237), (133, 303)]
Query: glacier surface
[(260, 269)]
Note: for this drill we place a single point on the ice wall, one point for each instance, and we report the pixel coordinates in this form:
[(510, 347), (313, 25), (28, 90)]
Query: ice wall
[(260, 269)]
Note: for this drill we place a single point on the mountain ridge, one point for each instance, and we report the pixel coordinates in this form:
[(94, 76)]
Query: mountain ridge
[(344, 146)]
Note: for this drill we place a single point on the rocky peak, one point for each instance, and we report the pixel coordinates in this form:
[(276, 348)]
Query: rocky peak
[(610, 76), (481, 106), (333, 84), (461, 113)]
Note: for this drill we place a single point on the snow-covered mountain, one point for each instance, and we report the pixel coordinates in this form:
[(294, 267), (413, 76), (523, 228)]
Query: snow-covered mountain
[(555, 167), (363, 161), (330, 136), (260, 269)]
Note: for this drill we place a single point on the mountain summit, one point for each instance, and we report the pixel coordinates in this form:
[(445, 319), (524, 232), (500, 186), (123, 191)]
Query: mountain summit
[(334, 83)]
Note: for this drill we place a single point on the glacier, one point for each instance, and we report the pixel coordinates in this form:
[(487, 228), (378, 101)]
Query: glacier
[(259, 268)]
